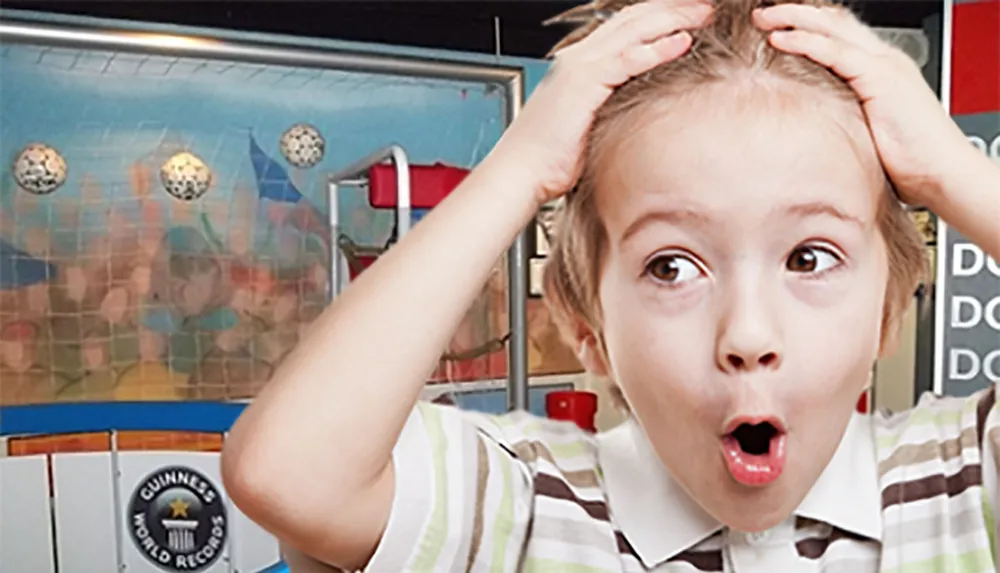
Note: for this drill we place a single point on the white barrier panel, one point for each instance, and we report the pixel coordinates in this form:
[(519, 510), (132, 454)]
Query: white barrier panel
[(252, 549), (175, 515), (84, 509), (25, 523)]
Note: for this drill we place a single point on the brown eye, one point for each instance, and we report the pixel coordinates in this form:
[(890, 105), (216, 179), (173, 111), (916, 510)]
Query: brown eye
[(672, 269), (811, 260)]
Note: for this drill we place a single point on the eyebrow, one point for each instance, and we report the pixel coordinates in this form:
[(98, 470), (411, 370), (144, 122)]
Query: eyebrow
[(821, 209), (684, 217), (681, 217)]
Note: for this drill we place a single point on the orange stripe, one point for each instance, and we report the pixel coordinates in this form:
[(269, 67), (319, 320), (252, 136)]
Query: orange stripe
[(60, 443), (169, 441)]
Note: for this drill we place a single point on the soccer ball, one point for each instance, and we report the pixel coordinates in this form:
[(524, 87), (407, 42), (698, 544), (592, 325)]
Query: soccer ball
[(302, 145), (185, 176), (39, 169)]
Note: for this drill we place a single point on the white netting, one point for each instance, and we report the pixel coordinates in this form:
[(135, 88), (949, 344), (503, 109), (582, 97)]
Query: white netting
[(144, 276)]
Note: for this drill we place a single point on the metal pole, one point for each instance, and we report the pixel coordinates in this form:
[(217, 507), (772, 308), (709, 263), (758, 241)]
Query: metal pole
[(15, 30), (398, 156), (941, 249), (517, 292), (19, 31), (355, 173)]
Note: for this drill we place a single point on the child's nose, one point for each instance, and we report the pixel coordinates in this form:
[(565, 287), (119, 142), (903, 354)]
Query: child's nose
[(745, 361), (749, 338)]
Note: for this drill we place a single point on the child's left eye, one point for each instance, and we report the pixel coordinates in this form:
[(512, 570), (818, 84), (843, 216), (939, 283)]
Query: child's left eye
[(811, 259), (673, 269)]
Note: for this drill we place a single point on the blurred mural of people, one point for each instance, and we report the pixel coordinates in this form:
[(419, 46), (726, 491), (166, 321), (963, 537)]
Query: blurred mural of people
[(164, 222)]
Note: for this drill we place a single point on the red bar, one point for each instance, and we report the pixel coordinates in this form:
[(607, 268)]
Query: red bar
[(429, 185), (975, 58)]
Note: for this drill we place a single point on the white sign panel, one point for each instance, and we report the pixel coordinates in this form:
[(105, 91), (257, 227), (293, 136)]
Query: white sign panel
[(84, 512), (25, 525), (175, 517)]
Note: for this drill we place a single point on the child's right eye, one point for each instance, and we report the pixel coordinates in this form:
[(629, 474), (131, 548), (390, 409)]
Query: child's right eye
[(812, 259), (672, 269)]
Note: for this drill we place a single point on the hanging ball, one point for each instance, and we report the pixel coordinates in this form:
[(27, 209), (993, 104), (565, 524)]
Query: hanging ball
[(39, 169), (302, 145), (185, 176)]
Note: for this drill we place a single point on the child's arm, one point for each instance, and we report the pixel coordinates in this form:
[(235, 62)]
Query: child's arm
[(969, 198), (311, 458), (928, 158)]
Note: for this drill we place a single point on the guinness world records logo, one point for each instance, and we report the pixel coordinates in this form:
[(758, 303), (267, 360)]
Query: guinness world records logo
[(177, 519)]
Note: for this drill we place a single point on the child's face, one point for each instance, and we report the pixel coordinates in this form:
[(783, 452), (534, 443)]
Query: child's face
[(744, 277)]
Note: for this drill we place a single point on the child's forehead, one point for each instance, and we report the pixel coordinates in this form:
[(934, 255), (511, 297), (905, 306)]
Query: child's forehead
[(741, 157), (750, 104)]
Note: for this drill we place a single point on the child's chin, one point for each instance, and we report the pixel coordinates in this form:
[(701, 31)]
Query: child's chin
[(750, 509)]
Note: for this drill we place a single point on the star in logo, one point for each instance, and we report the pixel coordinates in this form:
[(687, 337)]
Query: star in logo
[(178, 508)]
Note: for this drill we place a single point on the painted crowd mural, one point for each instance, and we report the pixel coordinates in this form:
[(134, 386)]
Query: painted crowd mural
[(164, 222)]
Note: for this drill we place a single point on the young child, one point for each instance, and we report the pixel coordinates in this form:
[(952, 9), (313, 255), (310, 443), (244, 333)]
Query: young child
[(731, 255)]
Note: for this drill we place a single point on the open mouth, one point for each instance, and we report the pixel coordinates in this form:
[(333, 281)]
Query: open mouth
[(755, 452), (755, 439)]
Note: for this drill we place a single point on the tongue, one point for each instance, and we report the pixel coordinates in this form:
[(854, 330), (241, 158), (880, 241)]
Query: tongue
[(752, 469)]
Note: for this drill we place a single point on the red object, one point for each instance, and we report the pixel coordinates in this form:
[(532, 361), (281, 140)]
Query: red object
[(365, 261), (975, 67), (429, 184), (863, 403), (573, 406)]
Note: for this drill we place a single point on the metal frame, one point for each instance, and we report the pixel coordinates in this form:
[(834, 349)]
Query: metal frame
[(355, 174), (941, 249), (510, 80)]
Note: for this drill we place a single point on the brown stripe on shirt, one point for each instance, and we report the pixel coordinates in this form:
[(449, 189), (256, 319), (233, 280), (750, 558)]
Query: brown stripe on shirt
[(553, 487), (624, 547), (815, 547), (482, 472), (701, 560), (932, 486), (531, 451)]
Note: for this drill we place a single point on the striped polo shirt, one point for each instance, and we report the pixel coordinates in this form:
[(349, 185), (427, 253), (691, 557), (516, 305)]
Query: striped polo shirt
[(903, 493)]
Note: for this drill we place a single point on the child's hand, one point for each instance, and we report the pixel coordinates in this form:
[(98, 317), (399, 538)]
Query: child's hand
[(546, 141), (915, 138)]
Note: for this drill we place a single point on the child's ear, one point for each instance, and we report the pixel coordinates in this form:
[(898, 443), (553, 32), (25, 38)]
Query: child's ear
[(591, 355)]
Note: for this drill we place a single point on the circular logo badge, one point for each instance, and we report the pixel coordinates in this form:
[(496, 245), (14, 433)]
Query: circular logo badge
[(177, 519)]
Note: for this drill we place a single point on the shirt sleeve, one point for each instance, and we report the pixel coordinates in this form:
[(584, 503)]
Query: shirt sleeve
[(988, 428), (462, 499)]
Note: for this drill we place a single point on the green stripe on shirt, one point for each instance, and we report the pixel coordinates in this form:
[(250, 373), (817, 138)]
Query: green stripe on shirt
[(436, 531), (503, 525)]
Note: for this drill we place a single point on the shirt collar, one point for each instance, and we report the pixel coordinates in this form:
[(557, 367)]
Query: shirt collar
[(660, 519)]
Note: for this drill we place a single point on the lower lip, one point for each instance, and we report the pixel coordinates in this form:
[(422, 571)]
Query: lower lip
[(754, 470)]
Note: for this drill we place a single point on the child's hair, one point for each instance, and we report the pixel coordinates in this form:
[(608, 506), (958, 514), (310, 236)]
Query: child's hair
[(729, 43)]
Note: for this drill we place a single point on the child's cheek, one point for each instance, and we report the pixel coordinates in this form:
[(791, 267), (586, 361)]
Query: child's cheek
[(659, 300), (825, 292), (663, 355)]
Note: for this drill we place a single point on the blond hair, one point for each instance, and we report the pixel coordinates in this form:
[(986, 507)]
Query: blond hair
[(729, 43)]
